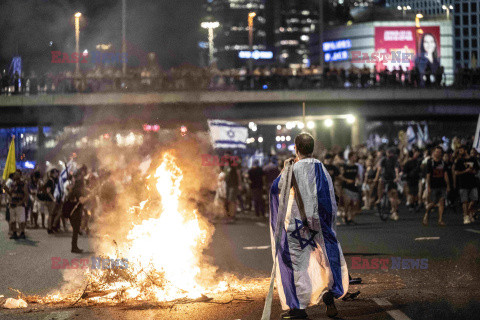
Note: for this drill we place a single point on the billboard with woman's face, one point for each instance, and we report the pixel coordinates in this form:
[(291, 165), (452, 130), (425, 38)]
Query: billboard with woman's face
[(421, 42)]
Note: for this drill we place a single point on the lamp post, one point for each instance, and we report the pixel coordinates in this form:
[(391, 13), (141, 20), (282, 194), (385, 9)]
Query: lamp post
[(447, 8), (124, 38), (210, 26), (77, 40), (251, 15), (404, 10), (417, 19), (320, 35)]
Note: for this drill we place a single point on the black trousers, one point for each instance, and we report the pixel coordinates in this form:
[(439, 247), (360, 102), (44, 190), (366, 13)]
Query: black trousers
[(75, 221)]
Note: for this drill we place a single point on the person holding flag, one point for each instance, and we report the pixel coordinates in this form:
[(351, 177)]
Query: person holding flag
[(10, 168), (308, 261)]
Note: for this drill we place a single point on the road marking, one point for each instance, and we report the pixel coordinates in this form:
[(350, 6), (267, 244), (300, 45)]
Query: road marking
[(473, 230), (382, 302), (395, 314), (257, 248), (59, 315), (261, 224), (427, 238)]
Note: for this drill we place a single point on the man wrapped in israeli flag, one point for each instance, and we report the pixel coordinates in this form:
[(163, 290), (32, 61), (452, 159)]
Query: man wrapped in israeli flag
[(308, 260)]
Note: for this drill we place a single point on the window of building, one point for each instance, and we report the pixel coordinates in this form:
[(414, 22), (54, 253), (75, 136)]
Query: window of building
[(474, 7), (474, 43), (457, 32), (473, 19), (457, 20), (465, 7), (465, 19), (457, 43), (474, 31), (465, 32), (458, 56), (466, 44), (466, 55)]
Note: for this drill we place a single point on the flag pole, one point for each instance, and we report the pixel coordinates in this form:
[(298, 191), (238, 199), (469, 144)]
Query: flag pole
[(303, 112)]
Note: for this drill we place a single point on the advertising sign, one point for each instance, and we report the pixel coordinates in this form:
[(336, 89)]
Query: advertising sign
[(407, 47)]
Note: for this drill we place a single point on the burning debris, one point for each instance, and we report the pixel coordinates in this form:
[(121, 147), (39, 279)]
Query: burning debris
[(164, 250)]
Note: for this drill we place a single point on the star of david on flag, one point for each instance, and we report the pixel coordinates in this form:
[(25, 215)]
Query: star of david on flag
[(227, 134), (298, 235)]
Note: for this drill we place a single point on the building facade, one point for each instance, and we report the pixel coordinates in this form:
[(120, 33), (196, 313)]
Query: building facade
[(232, 35), (295, 23)]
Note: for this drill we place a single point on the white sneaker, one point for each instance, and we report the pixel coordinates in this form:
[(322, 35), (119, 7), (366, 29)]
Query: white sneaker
[(394, 216), (466, 220)]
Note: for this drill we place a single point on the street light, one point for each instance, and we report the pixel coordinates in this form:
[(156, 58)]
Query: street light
[(251, 15), (328, 123), (210, 26), (77, 40), (404, 10), (350, 119), (417, 19), (447, 8)]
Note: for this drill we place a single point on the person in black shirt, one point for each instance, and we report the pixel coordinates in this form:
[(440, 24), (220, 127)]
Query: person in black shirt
[(466, 168), (411, 171), (45, 195), (255, 174), (437, 185), (447, 158), (369, 182), (389, 172), (232, 180), (73, 207), (351, 195), (331, 168)]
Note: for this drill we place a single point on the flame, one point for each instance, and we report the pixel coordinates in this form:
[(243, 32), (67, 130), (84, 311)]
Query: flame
[(164, 253)]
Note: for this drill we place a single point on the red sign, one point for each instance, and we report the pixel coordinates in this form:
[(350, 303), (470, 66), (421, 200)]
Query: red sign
[(399, 42)]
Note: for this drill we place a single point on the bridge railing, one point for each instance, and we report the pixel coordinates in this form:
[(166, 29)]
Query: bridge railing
[(196, 81)]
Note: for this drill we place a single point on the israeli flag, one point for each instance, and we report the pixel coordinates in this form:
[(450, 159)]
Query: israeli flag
[(310, 260), (410, 136), (421, 137), (227, 134), (476, 142), (60, 187)]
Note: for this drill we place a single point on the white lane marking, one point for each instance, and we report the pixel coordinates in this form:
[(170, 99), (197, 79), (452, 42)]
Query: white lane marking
[(260, 224), (473, 230), (59, 315), (395, 314), (398, 315), (257, 248), (427, 238), (382, 302)]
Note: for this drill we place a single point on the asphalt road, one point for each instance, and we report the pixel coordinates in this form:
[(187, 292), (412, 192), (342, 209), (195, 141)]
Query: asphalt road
[(446, 289)]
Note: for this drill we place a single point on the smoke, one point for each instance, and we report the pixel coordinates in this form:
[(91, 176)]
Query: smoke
[(170, 29)]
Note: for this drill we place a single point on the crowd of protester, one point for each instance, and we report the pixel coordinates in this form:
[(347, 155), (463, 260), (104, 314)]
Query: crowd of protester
[(34, 200), (423, 179), (109, 79)]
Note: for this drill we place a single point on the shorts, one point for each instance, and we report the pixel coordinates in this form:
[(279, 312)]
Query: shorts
[(468, 195), (437, 194), (44, 207), (413, 188), (17, 214), (351, 195), (232, 193), (391, 185)]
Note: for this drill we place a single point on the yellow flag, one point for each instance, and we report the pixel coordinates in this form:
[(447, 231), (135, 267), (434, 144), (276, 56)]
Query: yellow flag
[(10, 165)]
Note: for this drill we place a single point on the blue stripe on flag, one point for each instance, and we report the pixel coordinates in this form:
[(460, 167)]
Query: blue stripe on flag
[(284, 259), (229, 142), (223, 124), (331, 244)]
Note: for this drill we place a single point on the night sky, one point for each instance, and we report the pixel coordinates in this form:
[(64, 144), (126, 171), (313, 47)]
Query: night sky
[(168, 28)]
